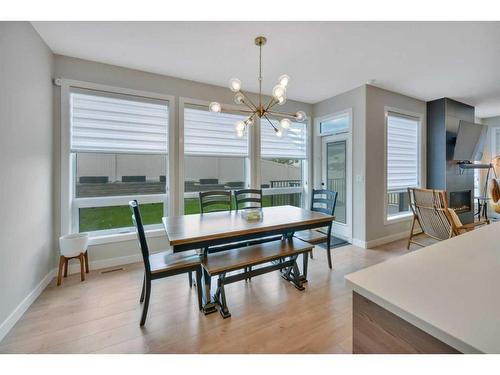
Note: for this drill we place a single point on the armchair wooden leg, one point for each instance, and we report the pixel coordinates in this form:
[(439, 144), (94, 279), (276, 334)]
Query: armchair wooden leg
[(60, 273), (86, 262), (66, 263), (81, 257), (411, 234)]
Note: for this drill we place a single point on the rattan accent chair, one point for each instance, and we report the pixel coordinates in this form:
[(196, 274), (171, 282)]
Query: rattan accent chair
[(432, 213)]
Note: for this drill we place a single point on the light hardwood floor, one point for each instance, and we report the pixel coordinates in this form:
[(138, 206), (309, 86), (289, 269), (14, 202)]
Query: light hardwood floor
[(101, 315)]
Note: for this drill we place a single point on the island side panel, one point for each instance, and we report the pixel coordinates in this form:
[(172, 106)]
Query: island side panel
[(378, 331)]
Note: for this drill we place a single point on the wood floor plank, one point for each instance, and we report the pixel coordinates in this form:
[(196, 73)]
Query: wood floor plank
[(101, 315)]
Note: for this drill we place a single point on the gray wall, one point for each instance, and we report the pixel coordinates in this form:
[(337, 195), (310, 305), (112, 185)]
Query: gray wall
[(27, 251), (376, 100), (368, 110), (83, 70), (356, 100)]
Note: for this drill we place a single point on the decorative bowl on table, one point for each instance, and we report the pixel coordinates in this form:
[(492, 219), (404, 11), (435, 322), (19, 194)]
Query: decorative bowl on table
[(252, 214)]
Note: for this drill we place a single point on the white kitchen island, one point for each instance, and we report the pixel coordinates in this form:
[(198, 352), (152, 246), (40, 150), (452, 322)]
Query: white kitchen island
[(443, 298)]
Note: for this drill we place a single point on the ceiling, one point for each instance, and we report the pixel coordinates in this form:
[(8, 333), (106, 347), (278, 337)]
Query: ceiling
[(425, 60)]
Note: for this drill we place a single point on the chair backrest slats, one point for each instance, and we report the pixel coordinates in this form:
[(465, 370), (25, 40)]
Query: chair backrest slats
[(218, 198), (432, 212), (324, 201), (141, 236), (248, 198)]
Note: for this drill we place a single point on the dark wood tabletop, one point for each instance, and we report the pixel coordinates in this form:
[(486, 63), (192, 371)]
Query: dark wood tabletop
[(217, 225)]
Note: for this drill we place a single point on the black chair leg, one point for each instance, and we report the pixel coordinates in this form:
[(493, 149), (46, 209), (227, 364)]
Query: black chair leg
[(146, 301), (311, 254), (199, 290), (143, 287), (190, 275), (328, 249)]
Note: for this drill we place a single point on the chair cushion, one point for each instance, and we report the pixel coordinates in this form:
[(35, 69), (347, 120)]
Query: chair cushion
[(168, 261), (311, 235)]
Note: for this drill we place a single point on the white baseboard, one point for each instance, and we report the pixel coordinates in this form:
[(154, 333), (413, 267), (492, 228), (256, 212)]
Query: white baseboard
[(18, 312), (380, 241), (388, 239), (359, 243), (74, 266)]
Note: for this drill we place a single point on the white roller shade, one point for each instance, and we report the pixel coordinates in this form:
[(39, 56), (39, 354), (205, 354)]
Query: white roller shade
[(496, 151), (292, 145), (402, 152), (112, 124), (212, 134)]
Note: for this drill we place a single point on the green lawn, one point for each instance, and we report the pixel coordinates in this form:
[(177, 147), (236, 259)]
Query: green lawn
[(101, 218)]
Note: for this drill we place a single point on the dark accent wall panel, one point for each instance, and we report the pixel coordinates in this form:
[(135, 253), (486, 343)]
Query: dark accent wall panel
[(443, 118), (436, 140)]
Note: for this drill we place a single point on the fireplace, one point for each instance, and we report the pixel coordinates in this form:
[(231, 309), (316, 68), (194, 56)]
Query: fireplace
[(460, 201), (443, 173)]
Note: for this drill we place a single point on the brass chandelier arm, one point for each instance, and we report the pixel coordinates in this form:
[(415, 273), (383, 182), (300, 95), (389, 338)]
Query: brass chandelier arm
[(271, 104), (249, 101), (245, 111), (274, 127), (281, 114)]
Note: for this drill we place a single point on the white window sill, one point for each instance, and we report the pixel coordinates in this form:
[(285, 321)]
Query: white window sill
[(99, 239), (406, 216)]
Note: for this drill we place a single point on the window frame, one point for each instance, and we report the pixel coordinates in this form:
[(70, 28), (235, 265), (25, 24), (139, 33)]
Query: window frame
[(494, 146), (332, 116), (406, 216), (303, 189), (186, 102), (70, 205)]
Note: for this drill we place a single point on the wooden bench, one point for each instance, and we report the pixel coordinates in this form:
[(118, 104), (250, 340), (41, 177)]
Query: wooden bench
[(281, 255)]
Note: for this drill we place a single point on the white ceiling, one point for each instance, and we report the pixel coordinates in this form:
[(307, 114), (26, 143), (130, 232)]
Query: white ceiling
[(425, 60)]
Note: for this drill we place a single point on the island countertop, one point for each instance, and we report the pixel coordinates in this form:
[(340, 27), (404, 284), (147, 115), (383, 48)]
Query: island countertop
[(450, 290)]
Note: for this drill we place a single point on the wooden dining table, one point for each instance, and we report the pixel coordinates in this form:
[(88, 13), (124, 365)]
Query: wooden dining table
[(223, 231)]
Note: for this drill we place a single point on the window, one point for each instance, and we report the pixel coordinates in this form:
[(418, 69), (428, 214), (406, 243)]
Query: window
[(403, 161), (495, 142), (118, 151), (338, 123), (214, 158), (282, 164)]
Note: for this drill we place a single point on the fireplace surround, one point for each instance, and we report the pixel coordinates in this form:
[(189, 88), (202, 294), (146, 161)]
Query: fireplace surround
[(443, 118)]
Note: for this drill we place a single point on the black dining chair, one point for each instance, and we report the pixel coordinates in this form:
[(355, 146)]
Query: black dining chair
[(214, 201), (248, 198), (162, 264), (324, 201)]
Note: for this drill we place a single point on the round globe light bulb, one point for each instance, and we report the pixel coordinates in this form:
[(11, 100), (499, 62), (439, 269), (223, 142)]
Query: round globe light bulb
[(235, 84), (215, 107), (238, 98), (240, 134), (300, 116), (282, 100), (285, 123), (279, 133), (284, 80), (240, 126), (278, 92)]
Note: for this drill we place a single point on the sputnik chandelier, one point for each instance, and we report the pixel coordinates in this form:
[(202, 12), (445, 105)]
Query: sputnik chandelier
[(261, 111)]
